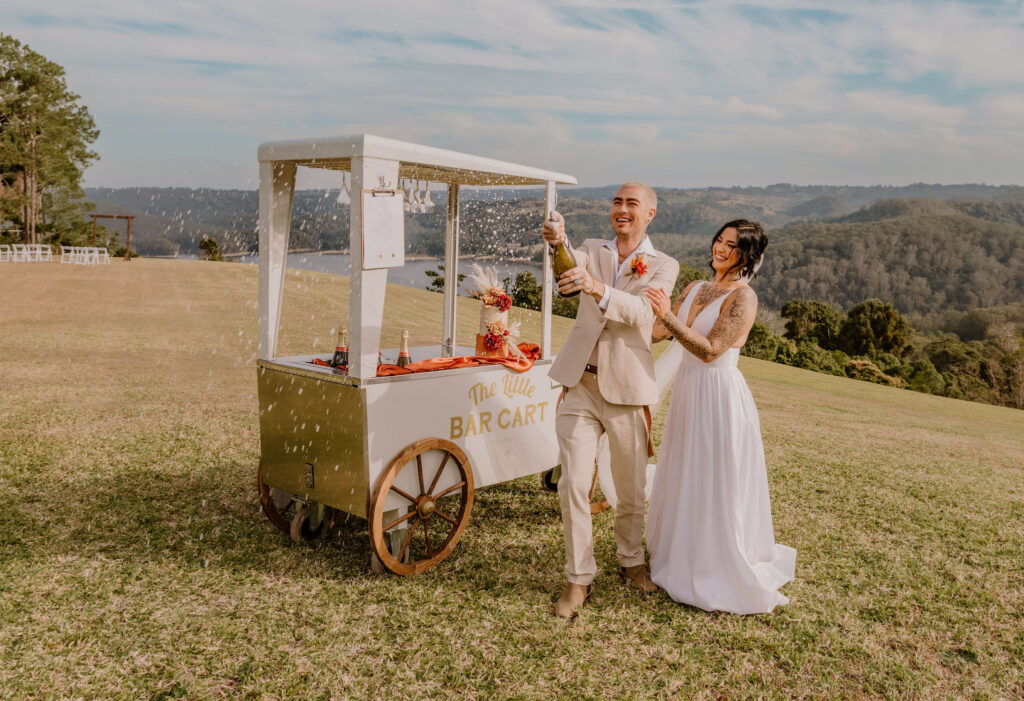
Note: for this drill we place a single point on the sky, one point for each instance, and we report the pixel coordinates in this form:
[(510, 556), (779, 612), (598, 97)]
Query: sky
[(676, 93)]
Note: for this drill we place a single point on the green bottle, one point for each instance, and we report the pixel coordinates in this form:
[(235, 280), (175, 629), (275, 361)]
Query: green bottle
[(562, 260)]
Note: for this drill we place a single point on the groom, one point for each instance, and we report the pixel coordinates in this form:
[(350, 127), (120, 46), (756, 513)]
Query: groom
[(607, 370)]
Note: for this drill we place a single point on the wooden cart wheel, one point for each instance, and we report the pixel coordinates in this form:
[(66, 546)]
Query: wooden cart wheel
[(267, 502), (298, 521), (436, 515), (288, 518), (548, 480)]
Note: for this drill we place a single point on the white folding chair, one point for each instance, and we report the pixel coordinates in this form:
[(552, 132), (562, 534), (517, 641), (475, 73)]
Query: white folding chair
[(45, 253), (65, 253), (103, 256), (5, 253), (20, 253)]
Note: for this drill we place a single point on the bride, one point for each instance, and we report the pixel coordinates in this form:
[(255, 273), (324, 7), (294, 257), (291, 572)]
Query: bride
[(709, 529)]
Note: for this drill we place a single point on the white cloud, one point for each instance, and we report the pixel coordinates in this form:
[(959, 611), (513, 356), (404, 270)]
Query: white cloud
[(677, 93)]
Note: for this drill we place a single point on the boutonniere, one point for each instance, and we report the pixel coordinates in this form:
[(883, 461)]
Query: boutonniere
[(637, 266)]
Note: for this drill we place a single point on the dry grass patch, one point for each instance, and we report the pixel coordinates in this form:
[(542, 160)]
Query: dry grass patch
[(134, 562)]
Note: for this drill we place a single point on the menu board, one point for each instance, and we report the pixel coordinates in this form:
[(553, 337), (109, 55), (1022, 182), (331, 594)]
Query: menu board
[(383, 233)]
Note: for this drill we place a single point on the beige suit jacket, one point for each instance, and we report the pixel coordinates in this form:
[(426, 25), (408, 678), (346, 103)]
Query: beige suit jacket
[(622, 333)]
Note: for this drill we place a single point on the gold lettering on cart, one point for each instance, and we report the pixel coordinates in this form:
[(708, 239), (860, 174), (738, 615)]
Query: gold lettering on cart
[(480, 392), (474, 424), (511, 386), (517, 385)]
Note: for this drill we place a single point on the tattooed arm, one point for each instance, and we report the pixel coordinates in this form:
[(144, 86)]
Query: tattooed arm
[(729, 331), (659, 332)]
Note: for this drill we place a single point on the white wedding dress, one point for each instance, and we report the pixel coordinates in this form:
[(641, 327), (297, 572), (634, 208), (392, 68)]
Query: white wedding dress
[(709, 528)]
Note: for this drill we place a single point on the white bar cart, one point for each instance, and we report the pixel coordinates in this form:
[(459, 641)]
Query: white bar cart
[(404, 452)]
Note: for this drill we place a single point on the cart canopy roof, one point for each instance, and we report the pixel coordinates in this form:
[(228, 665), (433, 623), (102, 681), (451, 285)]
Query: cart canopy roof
[(415, 160)]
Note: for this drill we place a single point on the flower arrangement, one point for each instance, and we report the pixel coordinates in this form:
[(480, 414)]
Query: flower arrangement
[(496, 297), (487, 289), (496, 336), (495, 333), (637, 266)]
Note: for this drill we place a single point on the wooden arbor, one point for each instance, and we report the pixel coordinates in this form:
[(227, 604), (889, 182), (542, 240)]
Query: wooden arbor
[(128, 233)]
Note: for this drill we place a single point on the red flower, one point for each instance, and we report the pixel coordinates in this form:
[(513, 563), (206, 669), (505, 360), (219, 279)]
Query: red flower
[(496, 297), (493, 341), (637, 266)]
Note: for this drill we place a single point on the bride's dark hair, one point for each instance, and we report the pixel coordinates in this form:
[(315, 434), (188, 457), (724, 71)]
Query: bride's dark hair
[(750, 244)]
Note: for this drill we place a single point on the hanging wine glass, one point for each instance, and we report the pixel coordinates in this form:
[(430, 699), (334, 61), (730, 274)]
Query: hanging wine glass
[(417, 203), (407, 198), (345, 193), (428, 202)]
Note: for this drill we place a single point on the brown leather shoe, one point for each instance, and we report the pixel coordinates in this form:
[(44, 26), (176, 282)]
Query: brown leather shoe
[(639, 577), (571, 600)]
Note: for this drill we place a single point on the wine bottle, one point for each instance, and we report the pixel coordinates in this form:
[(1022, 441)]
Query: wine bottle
[(341, 350), (403, 350), (562, 260)]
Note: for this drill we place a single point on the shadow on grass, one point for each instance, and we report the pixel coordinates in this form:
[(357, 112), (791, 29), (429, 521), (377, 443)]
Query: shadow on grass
[(210, 516)]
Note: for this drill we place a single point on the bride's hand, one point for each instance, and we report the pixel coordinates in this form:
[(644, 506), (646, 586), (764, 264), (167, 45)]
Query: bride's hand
[(659, 301)]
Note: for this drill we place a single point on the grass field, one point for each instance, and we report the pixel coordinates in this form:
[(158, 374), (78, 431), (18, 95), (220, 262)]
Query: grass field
[(134, 561)]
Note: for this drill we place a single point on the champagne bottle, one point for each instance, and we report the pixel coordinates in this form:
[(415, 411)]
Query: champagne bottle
[(341, 350), (403, 350), (562, 260)]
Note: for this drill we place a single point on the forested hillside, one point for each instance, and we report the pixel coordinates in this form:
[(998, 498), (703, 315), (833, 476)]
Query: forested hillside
[(921, 255), (924, 248)]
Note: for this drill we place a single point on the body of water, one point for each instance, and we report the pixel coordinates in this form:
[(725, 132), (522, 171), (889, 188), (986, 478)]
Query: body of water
[(412, 274)]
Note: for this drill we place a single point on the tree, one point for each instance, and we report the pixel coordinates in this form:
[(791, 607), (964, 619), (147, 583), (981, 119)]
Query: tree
[(525, 291), (864, 369), (209, 249), (812, 321), (528, 294), (437, 279), (965, 368), (565, 306), (874, 327), (1013, 374), (763, 344), (686, 275), (44, 142), (923, 377), (811, 356)]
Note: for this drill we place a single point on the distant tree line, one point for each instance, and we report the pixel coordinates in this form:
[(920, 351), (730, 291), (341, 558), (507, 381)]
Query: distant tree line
[(874, 342)]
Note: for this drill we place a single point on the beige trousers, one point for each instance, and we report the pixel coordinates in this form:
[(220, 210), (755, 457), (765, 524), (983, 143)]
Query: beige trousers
[(582, 417)]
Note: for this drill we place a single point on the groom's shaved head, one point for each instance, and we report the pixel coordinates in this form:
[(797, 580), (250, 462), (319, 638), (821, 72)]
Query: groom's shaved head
[(652, 196)]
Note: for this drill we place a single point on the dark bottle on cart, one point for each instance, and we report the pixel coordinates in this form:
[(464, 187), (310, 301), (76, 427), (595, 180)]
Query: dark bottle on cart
[(403, 350), (562, 260), (341, 350)]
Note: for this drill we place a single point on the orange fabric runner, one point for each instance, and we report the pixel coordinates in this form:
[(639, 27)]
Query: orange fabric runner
[(530, 350)]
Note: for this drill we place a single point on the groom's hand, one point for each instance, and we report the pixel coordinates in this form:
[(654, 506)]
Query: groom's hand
[(579, 280), (554, 229)]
